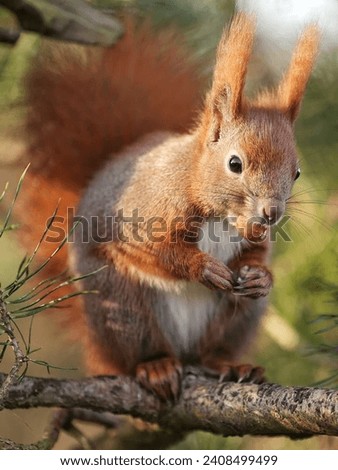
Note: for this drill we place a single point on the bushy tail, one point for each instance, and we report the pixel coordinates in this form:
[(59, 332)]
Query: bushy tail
[(86, 103)]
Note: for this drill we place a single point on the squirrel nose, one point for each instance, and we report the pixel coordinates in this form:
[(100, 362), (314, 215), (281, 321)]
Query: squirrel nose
[(272, 210), (270, 214)]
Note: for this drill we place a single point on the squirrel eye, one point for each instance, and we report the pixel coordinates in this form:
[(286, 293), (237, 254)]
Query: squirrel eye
[(297, 174), (235, 164)]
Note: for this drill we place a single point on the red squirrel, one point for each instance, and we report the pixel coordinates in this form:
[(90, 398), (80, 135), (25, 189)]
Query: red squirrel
[(180, 220)]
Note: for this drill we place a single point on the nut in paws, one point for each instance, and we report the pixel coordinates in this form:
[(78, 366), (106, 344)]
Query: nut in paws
[(253, 281)]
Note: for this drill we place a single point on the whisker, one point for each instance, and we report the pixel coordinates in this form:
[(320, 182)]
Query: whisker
[(324, 203), (250, 194), (308, 191), (223, 193), (300, 230), (300, 226), (226, 196), (311, 216)]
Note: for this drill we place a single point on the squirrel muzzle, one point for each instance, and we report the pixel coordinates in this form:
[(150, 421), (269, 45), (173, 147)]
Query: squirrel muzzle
[(255, 228)]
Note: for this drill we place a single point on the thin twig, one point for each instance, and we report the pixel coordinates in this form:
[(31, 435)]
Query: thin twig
[(60, 420), (19, 355)]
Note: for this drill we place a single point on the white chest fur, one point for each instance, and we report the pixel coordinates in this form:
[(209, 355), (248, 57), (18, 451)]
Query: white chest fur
[(184, 315), (219, 239)]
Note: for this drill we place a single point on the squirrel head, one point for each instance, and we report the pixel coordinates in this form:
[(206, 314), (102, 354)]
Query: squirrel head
[(247, 163)]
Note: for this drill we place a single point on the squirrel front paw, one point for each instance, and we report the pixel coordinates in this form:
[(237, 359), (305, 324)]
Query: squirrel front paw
[(214, 274), (253, 281), (162, 377)]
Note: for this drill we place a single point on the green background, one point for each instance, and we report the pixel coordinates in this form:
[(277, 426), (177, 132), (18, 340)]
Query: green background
[(305, 269)]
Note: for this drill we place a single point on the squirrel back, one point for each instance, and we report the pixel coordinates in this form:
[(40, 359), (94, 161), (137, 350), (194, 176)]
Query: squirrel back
[(86, 103)]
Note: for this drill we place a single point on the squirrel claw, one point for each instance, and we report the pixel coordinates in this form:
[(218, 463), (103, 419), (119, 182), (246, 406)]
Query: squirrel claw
[(225, 371), (244, 373), (162, 377)]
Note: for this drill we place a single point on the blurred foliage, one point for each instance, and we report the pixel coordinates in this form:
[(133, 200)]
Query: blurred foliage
[(13, 64), (319, 113), (29, 292), (192, 17), (328, 323), (297, 351), (306, 269)]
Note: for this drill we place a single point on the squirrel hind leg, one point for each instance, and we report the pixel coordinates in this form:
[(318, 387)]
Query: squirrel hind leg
[(162, 377), (226, 371), (98, 362), (228, 336)]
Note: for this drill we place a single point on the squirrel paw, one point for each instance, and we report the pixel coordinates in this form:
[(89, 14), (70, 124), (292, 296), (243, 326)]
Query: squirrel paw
[(246, 373), (225, 371), (243, 373), (161, 377), (253, 281), (215, 275)]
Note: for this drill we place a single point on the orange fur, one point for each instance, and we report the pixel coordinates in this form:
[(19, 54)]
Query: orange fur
[(82, 110), (292, 87), (224, 100), (232, 59), (288, 96), (86, 103), (83, 104)]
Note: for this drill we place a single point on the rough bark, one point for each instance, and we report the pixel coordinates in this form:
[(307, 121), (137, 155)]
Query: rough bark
[(229, 409), (74, 21)]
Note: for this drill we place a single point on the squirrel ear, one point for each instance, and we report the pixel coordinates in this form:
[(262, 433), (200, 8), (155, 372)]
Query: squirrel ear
[(225, 98), (292, 87)]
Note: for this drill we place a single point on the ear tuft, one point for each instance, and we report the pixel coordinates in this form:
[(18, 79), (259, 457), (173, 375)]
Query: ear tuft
[(224, 101), (233, 55), (292, 87)]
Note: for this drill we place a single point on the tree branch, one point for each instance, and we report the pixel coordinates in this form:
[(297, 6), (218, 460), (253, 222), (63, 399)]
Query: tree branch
[(230, 409), (9, 36), (74, 21)]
